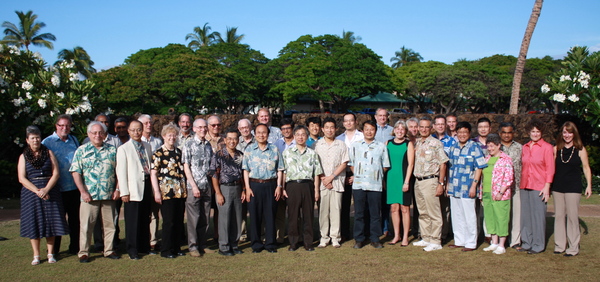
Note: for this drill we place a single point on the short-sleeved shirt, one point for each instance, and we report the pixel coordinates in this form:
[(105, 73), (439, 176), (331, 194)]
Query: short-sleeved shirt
[(274, 134), (429, 155), (217, 143), (225, 167), (110, 139), (311, 141), (368, 161), (358, 136), (464, 161), (154, 142), (301, 165), (282, 145), (481, 145), (197, 154), (384, 133), (181, 140), (447, 141), (538, 165), (170, 174), (514, 152), (64, 152), (243, 144), (331, 156), (262, 164), (97, 167)]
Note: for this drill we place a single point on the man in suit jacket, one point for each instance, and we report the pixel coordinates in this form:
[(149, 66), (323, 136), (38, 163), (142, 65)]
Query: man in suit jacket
[(133, 176)]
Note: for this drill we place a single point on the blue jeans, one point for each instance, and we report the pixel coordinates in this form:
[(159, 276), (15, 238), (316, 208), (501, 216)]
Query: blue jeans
[(363, 201)]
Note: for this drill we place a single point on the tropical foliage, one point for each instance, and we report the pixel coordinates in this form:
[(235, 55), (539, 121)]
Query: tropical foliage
[(201, 37), (404, 57), (27, 32), (83, 61)]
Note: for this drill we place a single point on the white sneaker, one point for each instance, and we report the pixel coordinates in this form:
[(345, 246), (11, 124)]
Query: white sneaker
[(492, 247), (322, 245), (335, 244), (421, 244), (432, 247), (500, 251)]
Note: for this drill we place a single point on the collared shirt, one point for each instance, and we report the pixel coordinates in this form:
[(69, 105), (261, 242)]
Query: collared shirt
[(262, 164), (110, 139), (154, 142), (429, 155), (538, 165), (217, 143), (274, 134), (197, 154), (169, 170), (311, 141), (181, 140), (243, 144), (301, 165), (97, 168), (481, 145), (464, 161), (282, 145), (331, 156), (368, 161), (384, 133), (64, 152), (514, 152), (447, 141), (141, 152), (225, 167), (358, 136)]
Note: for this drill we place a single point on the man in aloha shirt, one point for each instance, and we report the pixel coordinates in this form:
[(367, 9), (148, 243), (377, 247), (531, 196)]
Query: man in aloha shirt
[(369, 160), (302, 176), (439, 126), (466, 164), (93, 170), (196, 157)]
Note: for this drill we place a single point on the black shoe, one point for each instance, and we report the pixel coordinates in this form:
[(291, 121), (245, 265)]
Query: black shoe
[(358, 245), (171, 256), (376, 245), (180, 254), (292, 248), (310, 249), (557, 253), (272, 250), (256, 251), (569, 255), (84, 259), (134, 257), (228, 254), (113, 256), (152, 252), (533, 252), (237, 251)]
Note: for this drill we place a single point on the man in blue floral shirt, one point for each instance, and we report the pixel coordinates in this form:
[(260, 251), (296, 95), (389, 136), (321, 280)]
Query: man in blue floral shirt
[(93, 170)]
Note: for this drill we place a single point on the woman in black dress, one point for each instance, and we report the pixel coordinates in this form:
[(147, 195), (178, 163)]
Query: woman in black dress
[(42, 213), (571, 157)]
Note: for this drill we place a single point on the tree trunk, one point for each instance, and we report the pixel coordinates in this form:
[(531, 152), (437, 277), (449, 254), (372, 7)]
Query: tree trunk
[(516, 88)]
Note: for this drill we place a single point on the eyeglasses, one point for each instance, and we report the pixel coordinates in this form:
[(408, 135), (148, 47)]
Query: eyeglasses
[(215, 125)]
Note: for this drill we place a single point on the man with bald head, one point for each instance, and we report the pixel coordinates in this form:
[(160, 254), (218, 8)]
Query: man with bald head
[(246, 137), (215, 129)]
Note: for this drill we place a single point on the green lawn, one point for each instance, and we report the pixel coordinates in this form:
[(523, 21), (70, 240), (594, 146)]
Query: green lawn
[(390, 263)]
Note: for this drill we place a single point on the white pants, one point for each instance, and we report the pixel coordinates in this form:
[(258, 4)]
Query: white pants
[(329, 215), (464, 221)]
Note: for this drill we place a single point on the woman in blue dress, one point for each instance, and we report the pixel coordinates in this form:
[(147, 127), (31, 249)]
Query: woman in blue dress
[(42, 213)]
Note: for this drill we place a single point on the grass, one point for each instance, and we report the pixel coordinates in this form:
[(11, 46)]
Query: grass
[(346, 263)]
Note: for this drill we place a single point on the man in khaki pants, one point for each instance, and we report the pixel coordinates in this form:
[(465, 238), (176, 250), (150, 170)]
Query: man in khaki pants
[(430, 170)]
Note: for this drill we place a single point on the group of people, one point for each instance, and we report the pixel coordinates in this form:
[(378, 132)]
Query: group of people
[(266, 172)]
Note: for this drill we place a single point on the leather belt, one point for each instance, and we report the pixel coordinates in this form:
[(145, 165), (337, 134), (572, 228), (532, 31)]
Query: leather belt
[(233, 183), (426, 177), (300, 181), (263, 180)]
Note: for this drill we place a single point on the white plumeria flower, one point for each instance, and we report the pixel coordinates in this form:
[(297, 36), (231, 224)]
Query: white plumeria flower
[(60, 95), (565, 77), (38, 56), (28, 95), (26, 85), (573, 98), (73, 77), (559, 97), (70, 111), (545, 88), (42, 103), (55, 80), (584, 83)]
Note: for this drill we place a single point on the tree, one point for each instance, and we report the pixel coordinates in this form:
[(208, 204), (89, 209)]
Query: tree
[(330, 69), (27, 32), (83, 61), (201, 37), (405, 57), (535, 14), (231, 36), (349, 35)]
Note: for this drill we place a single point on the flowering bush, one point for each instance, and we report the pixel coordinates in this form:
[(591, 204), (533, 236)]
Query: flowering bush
[(32, 92), (575, 88)]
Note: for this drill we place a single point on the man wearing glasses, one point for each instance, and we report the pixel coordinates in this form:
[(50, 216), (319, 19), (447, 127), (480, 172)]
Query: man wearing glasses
[(214, 134)]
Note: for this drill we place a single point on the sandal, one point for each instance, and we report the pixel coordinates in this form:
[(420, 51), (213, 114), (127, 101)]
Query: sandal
[(36, 260), (51, 258)]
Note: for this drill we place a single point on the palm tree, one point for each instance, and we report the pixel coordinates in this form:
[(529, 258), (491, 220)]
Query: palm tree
[(516, 88), (405, 57), (200, 37), (83, 62), (349, 35), (27, 32), (231, 36)]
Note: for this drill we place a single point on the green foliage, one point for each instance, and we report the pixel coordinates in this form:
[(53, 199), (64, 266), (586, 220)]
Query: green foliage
[(328, 68), (27, 32), (32, 93), (405, 57), (83, 61)]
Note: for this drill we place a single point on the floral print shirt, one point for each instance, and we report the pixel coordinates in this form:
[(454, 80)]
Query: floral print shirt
[(97, 168), (262, 164), (368, 161), (502, 176), (197, 154), (225, 167), (429, 155), (301, 165), (171, 178), (464, 161)]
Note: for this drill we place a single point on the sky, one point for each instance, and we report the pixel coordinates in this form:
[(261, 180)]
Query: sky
[(440, 30)]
